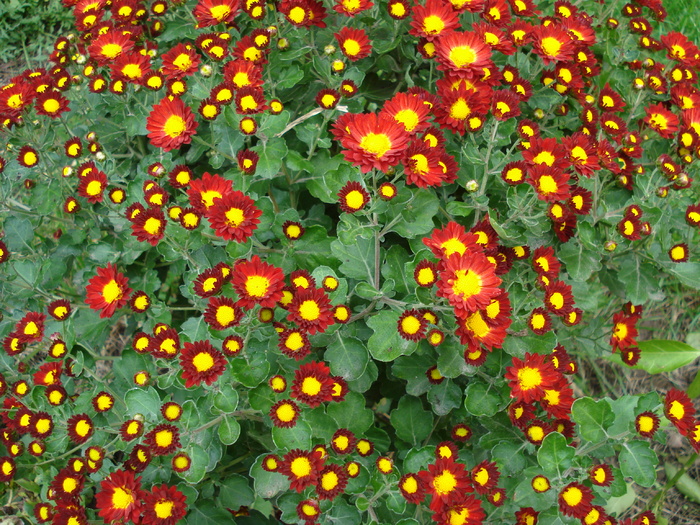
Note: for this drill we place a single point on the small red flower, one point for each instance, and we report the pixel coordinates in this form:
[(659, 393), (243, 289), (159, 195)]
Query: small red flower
[(312, 384), (171, 124), (201, 362), (120, 497), (354, 43), (311, 310), (234, 217), (164, 505), (107, 291)]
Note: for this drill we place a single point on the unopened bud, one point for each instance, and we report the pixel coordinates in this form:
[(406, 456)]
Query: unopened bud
[(472, 186), (329, 49), (539, 113), (206, 70), (610, 246), (282, 44)]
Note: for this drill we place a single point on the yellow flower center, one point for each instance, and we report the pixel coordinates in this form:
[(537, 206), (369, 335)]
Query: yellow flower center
[(164, 438), (111, 50), (410, 485), (502, 107), (466, 283), (458, 517), (51, 105), (122, 498), (540, 484), (572, 496), (453, 245), (433, 24), (174, 126), (544, 157), (286, 413), (408, 118), (410, 325), (354, 199), (462, 56), (297, 14), (132, 71), (164, 509), (152, 225), (351, 5), (300, 467), (329, 480), (30, 158), (420, 163), (83, 428), (248, 103), (397, 9), (341, 442), (536, 433), (551, 46), (529, 378), (677, 410), (309, 310), (460, 110), (234, 217), (546, 185), (69, 485), (646, 424), (376, 143), (220, 12), (42, 426), (444, 483), (311, 386), (257, 285), (352, 47), (225, 315), (182, 62), (203, 361), (328, 100), (557, 300)]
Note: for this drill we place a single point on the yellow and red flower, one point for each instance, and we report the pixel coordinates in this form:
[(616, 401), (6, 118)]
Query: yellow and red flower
[(234, 217), (332, 480), (201, 362), (163, 439), (171, 124), (352, 197), (373, 142), (575, 500), (529, 378), (311, 310), (459, 107), (80, 428), (447, 481), (51, 104), (149, 226), (661, 120), (28, 156), (647, 423), (463, 54), (469, 282), (312, 384), (484, 477), (354, 43), (164, 505), (409, 110), (213, 12), (257, 282), (222, 313), (119, 497), (552, 43), (434, 19), (284, 413), (351, 7), (107, 291), (679, 410), (453, 238), (301, 468), (294, 343), (467, 511)]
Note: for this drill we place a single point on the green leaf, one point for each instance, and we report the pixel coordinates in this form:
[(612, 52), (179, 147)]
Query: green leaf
[(685, 484), (688, 273), (146, 402), (509, 456), (417, 215), (298, 436), (555, 455), (638, 462), (19, 233), (616, 505), (347, 357), (351, 413), (451, 361), (517, 346), (483, 399), (665, 356), (229, 430), (272, 155), (205, 513), (411, 422), (445, 397), (267, 484), (236, 492), (195, 329), (593, 418), (580, 261), (226, 399), (356, 260), (639, 278), (412, 368), (386, 344)]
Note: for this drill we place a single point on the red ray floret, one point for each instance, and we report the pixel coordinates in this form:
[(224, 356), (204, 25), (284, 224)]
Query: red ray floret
[(302, 468), (354, 43), (371, 141), (447, 481), (463, 54), (453, 238), (433, 19), (409, 110), (171, 124), (213, 12), (679, 410), (312, 384), (163, 505), (311, 310), (552, 43)]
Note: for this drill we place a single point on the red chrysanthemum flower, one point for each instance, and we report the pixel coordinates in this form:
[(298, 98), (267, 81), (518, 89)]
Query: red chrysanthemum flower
[(411, 325), (422, 165), (15, 97), (30, 329), (49, 374), (373, 142), (120, 497), (680, 48), (678, 252), (294, 343), (59, 309), (311, 310), (354, 43), (447, 481), (163, 439), (67, 485), (312, 384), (28, 157), (352, 197), (107, 291), (180, 61), (332, 480), (352, 7), (222, 313), (647, 423), (201, 362), (601, 475), (661, 120), (164, 505), (552, 44), (108, 46), (557, 399), (679, 410), (80, 428), (526, 516), (213, 12), (409, 110), (234, 217), (164, 344), (257, 282), (302, 468), (412, 488), (453, 238), (575, 500), (624, 331), (434, 19), (459, 106), (469, 282), (529, 378), (463, 54), (250, 100), (550, 184), (284, 413), (484, 477), (149, 226), (544, 262), (51, 104), (204, 192), (467, 511), (171, 124)]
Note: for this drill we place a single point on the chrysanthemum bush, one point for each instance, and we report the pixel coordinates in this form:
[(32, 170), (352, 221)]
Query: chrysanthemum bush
[(316, 262)]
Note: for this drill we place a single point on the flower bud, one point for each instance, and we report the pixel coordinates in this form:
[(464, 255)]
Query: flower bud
[(472, 186), (282, 44), (610, 246), (539, 113), (329, 49), (206, 70)]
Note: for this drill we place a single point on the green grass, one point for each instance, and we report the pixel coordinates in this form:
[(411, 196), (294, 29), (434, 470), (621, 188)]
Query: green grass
[(683, 16)]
